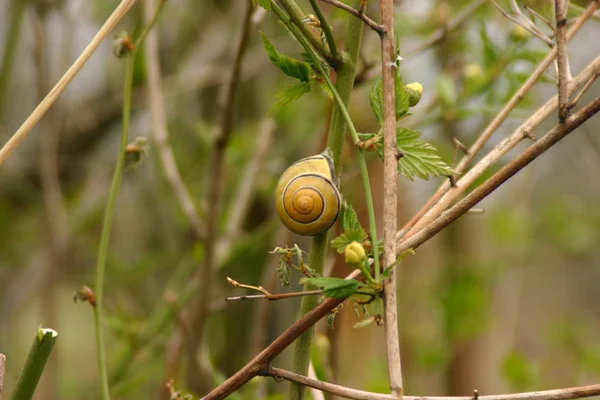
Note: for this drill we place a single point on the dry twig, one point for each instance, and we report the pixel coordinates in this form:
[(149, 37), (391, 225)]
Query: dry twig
[(51, 97), (358, 14), (161, 133)]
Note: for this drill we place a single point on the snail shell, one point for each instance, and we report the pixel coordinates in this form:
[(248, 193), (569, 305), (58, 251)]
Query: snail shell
[(306, 197)]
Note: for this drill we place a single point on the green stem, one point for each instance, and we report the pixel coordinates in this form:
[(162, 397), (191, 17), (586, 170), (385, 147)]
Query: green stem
[(335, 142), (10, 50), (34, 366), (295, 16), (149, 27), (326, 28), (107, 225), (301, 362), (110, 207), (344, 111)]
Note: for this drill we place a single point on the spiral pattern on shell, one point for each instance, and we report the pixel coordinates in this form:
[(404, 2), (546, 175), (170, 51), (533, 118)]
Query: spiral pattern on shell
[(306, 197)]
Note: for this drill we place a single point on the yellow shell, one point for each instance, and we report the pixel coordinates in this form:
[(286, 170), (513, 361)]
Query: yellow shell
[(306, 198)]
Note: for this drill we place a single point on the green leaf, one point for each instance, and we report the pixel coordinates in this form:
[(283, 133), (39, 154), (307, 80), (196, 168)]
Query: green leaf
[(266, 4), (351, 227), (289, 94), (518, 372), (349, 219), (419, 158), (334, 287), (376, 100), (402, 99), (289, 66)]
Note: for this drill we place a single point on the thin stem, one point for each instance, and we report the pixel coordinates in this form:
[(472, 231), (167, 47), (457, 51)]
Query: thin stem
[(357, 13), (325, 27), (560, 9), (342, 391), (34, 366), (107, 226), (296, 15), (2, 369), (149, 26), (275, 297), (390, 196), (51, 97), (302, 348), (10, 50)]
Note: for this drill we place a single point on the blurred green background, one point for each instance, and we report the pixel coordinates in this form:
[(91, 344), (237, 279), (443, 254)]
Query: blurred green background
[(502, 301)]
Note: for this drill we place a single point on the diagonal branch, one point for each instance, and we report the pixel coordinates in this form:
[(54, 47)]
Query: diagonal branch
[(358, 14)]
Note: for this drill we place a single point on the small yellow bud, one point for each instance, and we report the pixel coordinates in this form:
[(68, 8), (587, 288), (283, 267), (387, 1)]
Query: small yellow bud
[(355, 253), (415, 91), (474, 75), (519, 34)]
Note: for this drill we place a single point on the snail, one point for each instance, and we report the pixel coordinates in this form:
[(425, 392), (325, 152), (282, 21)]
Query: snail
[(306, 198)]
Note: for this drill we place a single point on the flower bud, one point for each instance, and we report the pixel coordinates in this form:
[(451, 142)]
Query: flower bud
[(473, 74), (355, 253), (415, 91), (122, 45), (519, 34)]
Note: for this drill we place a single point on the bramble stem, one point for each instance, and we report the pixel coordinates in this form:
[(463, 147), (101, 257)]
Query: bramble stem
[(34, 366)]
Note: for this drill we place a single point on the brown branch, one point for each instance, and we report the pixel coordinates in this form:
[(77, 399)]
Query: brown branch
[(358, 14), (390, 196), (439, 34), (161, 133), (199, 308), (2, 369), (342, 391), (499, 118), (560, 9), (61, 85)]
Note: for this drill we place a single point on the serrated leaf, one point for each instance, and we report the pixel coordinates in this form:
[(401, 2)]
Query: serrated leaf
[(289, 66), (419, 158), (376, 100), (364, 323), (401, 95), (334, 287), (289, 94), (266, 4), (349, 218)]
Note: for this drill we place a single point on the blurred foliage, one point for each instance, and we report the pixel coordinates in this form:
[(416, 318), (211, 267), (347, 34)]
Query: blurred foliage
[(535, 246)]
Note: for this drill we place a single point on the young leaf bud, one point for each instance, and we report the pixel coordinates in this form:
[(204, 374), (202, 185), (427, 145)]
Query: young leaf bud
[(415, 91), (519, 34), (355, 253)]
